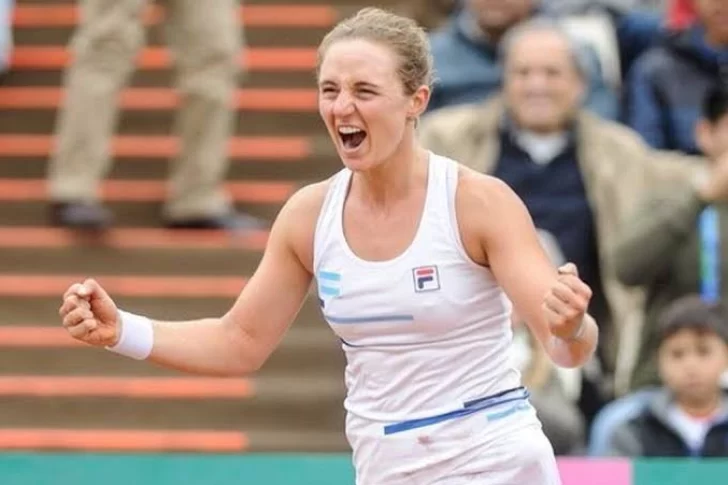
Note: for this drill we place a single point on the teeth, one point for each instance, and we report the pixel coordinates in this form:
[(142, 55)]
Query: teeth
[(349, 130)]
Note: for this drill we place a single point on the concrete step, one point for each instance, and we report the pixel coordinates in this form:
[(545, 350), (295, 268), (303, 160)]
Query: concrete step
[(104, 440), (136, 214), (309, 349), (142, 168), (39, 310), (161, 147), (165, 77), (161, 122), (283, 402), (335, 3), (86, 260)]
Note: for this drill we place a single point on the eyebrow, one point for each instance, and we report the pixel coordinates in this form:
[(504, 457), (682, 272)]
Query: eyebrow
[(358, 84), (364, 84)]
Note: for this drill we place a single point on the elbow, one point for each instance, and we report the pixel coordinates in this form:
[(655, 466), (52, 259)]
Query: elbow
[(243, 359), (247, 361), (241, 368)]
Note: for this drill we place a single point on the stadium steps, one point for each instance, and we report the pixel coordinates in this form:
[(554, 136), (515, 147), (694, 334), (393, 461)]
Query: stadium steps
[(56, 394)]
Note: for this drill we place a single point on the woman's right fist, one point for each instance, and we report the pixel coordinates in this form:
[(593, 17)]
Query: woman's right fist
[(90, 315)]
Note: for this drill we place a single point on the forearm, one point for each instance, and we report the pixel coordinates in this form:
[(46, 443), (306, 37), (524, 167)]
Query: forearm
[(210, 346), (577, 351)]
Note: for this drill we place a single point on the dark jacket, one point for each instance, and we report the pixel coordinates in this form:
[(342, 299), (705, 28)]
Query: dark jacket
[(666, 87), (652, 434)]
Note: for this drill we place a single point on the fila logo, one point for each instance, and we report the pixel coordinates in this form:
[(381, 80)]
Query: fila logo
[(426, 278)]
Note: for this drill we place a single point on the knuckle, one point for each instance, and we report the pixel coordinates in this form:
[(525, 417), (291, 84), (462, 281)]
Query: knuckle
[(78, 331)]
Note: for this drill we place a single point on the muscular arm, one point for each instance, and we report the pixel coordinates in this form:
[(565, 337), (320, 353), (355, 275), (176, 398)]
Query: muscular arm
[(241, 340), (500, 233)]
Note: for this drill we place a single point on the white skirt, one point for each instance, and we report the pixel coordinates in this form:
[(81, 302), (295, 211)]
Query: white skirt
[(504, 445)]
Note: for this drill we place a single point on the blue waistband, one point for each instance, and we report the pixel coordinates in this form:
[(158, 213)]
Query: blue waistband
[(470, 407)]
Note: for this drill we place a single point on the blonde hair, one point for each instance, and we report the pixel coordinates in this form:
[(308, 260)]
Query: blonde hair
[(400, 34)]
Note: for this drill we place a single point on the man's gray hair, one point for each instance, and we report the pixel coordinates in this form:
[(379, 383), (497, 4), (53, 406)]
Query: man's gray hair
[(578, 50)]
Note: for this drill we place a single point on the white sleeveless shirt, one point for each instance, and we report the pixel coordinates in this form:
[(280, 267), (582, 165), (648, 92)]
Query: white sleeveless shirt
[(423, 333)]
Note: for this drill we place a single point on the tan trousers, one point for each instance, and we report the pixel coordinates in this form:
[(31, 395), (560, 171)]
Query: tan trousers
[(204, 37)]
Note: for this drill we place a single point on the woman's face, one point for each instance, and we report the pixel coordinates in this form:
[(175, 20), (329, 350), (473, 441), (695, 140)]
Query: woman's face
[(363, 103)]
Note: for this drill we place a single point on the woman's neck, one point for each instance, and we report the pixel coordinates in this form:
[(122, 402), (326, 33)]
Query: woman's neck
[(391, 179)]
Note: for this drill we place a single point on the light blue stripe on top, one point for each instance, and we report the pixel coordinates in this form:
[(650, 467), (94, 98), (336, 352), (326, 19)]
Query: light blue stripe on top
[(371, 319), (327, 275), (329, 291)]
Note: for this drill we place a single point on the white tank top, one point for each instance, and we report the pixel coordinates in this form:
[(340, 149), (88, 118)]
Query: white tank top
[(423, 333)]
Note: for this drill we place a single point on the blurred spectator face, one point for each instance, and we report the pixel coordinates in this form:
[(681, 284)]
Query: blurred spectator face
[(543, 87), (712, 137), (496, 16), (713, 14), (691, 364)]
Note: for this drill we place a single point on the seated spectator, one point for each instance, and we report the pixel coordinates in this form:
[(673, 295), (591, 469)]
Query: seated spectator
[(467, 63), (612, 416), (577, 173), (689, 417), (637, 24), (670, 245), (668, 83)]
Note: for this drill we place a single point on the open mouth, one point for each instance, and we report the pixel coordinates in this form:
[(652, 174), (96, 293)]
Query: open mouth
[(351, 136)]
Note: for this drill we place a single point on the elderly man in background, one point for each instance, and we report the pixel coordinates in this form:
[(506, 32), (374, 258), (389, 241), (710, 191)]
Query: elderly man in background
[(469, 67)]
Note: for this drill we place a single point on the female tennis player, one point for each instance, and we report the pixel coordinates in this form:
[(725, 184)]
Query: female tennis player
[(417, 261)]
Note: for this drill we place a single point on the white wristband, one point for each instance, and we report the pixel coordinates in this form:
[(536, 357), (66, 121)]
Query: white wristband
[(137, 336)]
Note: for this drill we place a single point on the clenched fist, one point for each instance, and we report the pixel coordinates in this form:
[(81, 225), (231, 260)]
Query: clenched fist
[(566, 303), (90, 315)]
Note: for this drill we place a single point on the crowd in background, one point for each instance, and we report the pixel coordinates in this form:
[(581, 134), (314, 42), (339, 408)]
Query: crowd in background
[(608, 118)]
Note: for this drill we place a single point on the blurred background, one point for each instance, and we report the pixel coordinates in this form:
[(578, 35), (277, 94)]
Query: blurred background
[(150, 145)]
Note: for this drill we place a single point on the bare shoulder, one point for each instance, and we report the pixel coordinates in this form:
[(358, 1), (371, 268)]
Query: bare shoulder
[(478, 192), (486, 208), (306, 202), (295, 224)]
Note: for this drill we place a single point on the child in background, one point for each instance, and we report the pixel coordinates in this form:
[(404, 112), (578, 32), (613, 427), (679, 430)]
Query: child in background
[(690, 416)]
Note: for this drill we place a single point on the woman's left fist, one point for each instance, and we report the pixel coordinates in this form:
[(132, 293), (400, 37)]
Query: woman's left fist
[(566, 303)]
